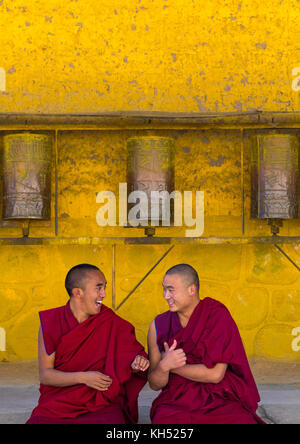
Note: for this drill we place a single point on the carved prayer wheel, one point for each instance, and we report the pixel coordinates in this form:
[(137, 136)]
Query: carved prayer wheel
[(150, 167), (27, 176), (274, 169)]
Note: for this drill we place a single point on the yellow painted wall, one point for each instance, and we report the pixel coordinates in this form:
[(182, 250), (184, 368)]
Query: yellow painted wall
[(168, 55), (182, 56)]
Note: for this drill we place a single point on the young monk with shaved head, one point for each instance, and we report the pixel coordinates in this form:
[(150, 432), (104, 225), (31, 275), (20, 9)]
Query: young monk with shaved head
[(198, 360), (91, 365)]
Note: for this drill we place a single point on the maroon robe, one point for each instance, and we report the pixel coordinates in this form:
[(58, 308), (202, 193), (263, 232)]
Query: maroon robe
[(210, 337), (105, 343)]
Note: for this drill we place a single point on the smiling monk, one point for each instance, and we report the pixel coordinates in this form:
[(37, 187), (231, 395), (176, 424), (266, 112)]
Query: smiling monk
[(198, 360), (91, 366)]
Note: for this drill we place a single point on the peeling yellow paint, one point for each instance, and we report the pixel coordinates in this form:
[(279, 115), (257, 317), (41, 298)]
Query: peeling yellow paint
[(149, 55)]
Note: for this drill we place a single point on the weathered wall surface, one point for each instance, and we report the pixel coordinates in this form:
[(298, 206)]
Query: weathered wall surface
[(174, 55), (170, 55)]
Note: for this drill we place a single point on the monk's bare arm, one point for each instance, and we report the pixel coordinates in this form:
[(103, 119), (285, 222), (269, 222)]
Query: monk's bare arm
[(160, 367), (56, 378), (158, 376), (200, 373)]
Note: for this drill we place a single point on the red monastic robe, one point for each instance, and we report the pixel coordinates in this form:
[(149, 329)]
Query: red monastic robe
[(105, 343), (210, 337)]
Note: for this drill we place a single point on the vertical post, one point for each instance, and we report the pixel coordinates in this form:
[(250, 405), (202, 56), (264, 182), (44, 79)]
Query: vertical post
[(56, 183), (113, 295), (242, 182)]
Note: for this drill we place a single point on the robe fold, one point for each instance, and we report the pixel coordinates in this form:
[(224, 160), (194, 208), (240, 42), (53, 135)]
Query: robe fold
[(210, 337), (105, 343)]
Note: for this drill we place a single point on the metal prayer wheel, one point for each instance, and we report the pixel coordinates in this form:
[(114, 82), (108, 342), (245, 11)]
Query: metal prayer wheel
[(274, 170), (150, 167), (27, 176)]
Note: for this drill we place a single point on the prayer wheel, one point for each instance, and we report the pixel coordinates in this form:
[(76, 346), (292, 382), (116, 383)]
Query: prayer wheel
[(274, 170), (27, 176), (150, 167)]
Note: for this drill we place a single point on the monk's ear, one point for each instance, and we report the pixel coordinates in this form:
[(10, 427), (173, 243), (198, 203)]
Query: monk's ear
[(192, 290), (76, 293)]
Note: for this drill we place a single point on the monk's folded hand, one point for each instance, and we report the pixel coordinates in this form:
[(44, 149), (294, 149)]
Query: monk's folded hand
[(172, 358), (97, 380), (140, 363)]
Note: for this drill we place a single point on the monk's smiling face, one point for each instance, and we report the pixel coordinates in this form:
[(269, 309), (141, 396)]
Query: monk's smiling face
[(93, 293), (177, 292)]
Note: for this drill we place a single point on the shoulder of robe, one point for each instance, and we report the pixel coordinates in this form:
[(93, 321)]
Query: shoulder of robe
[(162, 315), (217, 307), (52, 312)]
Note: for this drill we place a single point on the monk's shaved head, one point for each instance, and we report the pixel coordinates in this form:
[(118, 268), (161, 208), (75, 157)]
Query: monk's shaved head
[(188, 274), (77, 277)]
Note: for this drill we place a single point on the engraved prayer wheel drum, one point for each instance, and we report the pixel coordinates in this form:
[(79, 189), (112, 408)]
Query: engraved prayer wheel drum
[(274, 170), (150, 167), (27, 176)]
